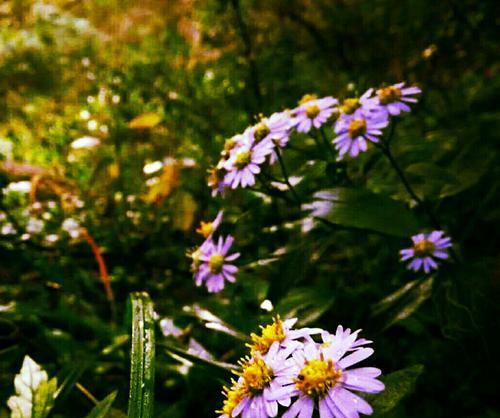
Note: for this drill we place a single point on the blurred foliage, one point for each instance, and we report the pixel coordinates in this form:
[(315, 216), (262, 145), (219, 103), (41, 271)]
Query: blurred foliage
[(168, 81)]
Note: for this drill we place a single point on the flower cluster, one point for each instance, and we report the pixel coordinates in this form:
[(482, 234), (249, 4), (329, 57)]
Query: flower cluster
[(288, 368), (211, 261), (356, 121), (426, 247)]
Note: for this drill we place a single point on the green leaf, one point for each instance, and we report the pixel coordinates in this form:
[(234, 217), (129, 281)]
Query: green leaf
[(365, 210), (142, 357), (405, 301), (174, 351), (43, 398), (397, 385), (102, 408), (304, 303)]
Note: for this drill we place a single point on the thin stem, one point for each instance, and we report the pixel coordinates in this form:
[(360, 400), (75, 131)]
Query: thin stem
[(285, 175), (87, 393), (386, 150), (328, 144)]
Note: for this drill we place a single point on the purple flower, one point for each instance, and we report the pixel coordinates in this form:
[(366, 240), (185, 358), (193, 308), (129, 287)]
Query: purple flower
[(244, 161), (325, 379), (313, 112), (353, 133), (280, 332), (425, 248), (264, 377), (276, 128), (355, 107), (394, 99), (213, 267)]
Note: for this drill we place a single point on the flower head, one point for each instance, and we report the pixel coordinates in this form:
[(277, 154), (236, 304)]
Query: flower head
[(208, 228), (426, 247), (394, 99), (281, 332), (261, 382), (216, 179), (354, 107), (354, 133), (325, 379), (213, 266), (245, 159), (313, 113)]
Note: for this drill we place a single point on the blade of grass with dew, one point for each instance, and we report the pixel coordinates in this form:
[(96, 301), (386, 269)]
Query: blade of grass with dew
[(142, 357)]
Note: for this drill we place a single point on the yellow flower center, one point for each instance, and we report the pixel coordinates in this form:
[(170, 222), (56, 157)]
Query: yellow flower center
[(389, 95), (242, 159), (349, 106), (317, 377), (261, 131), (205, 229), (424, 248), (270, 334), (233, 397), (215, 263), (256, 374), (307, 98), (357, 127), (312, 111)]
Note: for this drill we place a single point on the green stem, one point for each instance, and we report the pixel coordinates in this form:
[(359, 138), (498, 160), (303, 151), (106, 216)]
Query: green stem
[(285, 175), (328, 144)]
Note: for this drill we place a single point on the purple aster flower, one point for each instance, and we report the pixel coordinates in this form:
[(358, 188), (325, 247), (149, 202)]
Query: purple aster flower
[(283, 333), (313, 112), (208, 228), (325, 379), (394, 99), (425, 248), (353, 134), (244, 161), (354, 107), (276, 128), (214, 268), (264, 377)]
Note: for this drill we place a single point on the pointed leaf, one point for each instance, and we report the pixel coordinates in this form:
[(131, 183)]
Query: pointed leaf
[(142, 357), (102, 408)]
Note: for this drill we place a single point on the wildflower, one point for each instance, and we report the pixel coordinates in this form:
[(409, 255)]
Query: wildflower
[(277, 125), (394, 98), (214, 268), (353, 133), (313, 112), (324, 380), (425, 248), (34, 226), (23, 187), (353, 107), (208, 228), (72, 227), (261, 378), (244, 161), (282, 333)]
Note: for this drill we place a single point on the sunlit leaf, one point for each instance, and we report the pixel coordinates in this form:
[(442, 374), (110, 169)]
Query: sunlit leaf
[(142, 357), (167, 182), (145, 121)]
